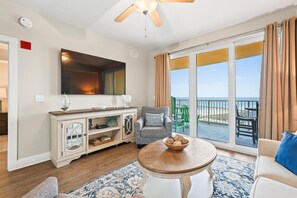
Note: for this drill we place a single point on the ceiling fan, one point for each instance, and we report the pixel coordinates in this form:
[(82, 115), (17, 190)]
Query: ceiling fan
[(147, 7)]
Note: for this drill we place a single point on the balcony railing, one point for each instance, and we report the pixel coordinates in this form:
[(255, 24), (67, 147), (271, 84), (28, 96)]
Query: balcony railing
[(217, 111)]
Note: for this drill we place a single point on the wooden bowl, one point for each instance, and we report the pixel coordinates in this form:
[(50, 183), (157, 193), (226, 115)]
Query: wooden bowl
[(176, 148)]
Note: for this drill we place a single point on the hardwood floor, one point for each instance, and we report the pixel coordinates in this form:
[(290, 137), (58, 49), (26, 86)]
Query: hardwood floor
[(79, 172), (3, 143)]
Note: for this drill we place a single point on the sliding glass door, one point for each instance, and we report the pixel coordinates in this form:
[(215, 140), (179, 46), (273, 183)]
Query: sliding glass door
[(212, 95), (248, 69), (224, 80), (180, 95)]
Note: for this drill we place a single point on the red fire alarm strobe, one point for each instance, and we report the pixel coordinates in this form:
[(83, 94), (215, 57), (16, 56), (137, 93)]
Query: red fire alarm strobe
[(26, 45)]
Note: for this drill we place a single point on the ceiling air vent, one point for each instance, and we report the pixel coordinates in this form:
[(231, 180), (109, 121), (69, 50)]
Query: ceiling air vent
[(134, 53)]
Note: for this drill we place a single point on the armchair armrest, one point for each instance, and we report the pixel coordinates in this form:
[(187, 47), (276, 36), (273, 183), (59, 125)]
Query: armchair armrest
[(48, 188), (267, 147), (139, 124), (168, 122), (168, 126)]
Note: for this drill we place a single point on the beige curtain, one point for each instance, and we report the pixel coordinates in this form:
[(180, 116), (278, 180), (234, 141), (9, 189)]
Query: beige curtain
[(278, 94), (270, 114), (288, 78), (162, 87)]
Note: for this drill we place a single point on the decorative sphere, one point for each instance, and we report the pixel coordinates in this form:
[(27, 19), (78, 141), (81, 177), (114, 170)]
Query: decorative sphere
[(127, 99)]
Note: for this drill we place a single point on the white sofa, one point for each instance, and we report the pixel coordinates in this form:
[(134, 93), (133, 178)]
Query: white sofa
[(272, 179)]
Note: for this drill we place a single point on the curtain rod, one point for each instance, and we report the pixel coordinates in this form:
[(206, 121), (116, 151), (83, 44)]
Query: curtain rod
[(223, 39), (218, 40)]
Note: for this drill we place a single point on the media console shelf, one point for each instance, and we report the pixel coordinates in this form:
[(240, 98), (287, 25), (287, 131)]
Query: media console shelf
[(79, 132)]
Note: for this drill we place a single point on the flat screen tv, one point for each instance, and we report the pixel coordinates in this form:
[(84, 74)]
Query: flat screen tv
[(87, 74)]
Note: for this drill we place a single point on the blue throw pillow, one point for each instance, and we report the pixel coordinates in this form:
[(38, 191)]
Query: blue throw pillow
[(286, 154), (154, 120)]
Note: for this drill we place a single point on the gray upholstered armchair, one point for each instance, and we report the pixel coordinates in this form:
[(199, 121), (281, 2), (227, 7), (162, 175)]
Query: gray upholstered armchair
[(147, 132)]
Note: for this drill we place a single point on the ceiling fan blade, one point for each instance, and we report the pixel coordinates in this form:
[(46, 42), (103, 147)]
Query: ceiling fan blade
[(156, 18), (178, 1), (125, 14)]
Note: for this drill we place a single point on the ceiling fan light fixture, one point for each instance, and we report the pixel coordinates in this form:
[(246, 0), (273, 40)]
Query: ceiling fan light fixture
[(145, 6)]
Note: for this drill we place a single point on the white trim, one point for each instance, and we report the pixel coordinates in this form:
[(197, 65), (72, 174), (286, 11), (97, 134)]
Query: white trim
[(12, 101), (237, 148), (29, 161), (193, 95), (231, 94)]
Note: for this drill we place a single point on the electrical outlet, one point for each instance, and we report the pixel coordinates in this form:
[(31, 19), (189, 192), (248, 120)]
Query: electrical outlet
[(39, 98)]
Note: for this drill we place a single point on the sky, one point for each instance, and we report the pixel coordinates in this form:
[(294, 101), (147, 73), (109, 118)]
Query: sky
[(212, 80)]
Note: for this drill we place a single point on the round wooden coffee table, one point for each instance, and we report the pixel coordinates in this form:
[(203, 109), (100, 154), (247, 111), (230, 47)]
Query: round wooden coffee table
[(157, 160)]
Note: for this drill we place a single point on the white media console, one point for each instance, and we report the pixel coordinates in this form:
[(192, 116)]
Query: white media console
[(78, 132)]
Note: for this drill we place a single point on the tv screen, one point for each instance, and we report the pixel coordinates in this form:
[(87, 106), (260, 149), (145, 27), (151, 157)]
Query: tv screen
[(87, 74)]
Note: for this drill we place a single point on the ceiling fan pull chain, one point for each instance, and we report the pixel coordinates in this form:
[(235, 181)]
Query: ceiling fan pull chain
[(145, 32)]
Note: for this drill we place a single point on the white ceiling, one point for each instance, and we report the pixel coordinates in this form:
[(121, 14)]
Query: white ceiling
[(182, 21)]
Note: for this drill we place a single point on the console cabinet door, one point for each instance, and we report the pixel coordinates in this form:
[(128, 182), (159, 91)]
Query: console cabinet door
[(128, 125), (73, 137)]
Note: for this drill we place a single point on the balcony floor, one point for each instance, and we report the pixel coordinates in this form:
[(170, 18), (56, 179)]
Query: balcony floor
[(218, 133)]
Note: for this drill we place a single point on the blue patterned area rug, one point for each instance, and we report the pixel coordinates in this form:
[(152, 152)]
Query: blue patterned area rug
[(234, 178)]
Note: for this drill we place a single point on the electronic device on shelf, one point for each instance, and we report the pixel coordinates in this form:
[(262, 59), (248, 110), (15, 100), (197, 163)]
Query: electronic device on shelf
[(101, 126)]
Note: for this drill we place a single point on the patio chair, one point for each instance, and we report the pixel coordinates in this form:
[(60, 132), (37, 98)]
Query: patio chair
[(246, 126), (173, 107), (176, 115), (186, 114), (178, 121)]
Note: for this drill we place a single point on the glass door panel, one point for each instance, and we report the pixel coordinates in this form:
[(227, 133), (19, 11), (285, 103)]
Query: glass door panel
[(248, 69), (212, 95), (74, 136), (180, 95), (74, 139)]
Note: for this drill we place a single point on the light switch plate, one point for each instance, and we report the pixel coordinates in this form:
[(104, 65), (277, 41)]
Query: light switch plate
[(39, 98)]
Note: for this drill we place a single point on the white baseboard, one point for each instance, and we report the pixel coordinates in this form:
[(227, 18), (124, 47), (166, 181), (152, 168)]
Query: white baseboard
[(29, 161)]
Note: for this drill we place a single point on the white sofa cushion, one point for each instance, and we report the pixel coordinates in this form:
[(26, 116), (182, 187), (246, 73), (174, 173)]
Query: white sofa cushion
[(268, 167), (264, 188)]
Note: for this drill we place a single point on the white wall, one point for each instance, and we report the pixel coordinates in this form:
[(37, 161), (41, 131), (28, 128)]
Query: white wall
[(39, 72), (242, 28)]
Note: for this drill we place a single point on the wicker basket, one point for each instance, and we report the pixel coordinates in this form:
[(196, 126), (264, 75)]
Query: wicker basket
[(96, 142)]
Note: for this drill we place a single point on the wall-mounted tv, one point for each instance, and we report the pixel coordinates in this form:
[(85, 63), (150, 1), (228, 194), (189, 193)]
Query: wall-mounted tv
[(87, 74)]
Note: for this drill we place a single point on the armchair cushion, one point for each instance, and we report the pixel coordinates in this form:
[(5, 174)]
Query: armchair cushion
[(155, 132), (154, 120), (267, 147), (286, 154), (265, 187), (267, 167)]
